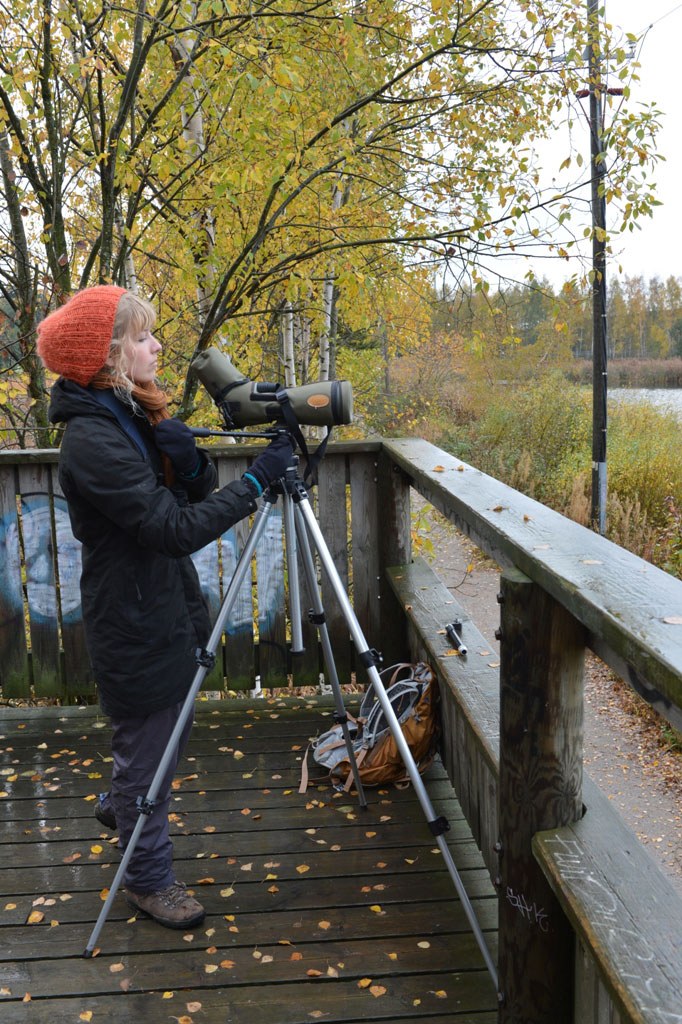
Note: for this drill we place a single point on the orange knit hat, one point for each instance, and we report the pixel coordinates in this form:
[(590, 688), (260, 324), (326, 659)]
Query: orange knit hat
[(74, 340)]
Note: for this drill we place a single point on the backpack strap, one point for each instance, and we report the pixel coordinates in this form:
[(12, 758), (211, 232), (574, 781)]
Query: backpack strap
[(108, 399)]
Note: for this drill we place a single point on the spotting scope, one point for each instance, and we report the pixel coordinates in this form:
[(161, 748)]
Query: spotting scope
[(244, 402)]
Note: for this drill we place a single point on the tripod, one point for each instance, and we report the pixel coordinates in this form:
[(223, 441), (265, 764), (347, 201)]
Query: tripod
[(302, 532)]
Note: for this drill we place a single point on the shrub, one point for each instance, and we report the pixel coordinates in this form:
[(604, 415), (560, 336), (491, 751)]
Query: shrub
[(538, 440)]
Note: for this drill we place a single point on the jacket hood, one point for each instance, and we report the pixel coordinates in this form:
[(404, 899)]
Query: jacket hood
[(68, 399)]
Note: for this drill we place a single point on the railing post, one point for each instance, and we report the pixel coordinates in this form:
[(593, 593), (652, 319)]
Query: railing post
[(395, 548), (541, 738)]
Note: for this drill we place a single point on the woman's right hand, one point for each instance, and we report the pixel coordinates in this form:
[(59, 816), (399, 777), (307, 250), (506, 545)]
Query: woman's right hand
[(271, 464)]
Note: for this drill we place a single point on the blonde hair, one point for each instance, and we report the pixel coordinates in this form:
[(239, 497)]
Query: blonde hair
[(134, 316)]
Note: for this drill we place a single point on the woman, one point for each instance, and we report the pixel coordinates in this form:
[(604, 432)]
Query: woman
[(141, 499)]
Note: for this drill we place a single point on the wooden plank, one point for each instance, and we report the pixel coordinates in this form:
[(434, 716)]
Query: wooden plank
[(395, 548), (258, 930), (540, 786), (631, 609), (469, 695), (207, 563), (239, 645), (332, 517), (78, 676), (273, 656), (14, 668), (306, 668), (365, 530), (287, 1003), (35, 484), (622, 907)]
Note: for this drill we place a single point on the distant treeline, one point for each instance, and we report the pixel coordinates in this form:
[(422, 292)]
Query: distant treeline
[(644, 318), (632, 373)]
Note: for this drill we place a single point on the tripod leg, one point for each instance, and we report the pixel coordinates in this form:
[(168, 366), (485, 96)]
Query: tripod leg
[(320, 621), (292, 575), (437, 825), (205, 660)]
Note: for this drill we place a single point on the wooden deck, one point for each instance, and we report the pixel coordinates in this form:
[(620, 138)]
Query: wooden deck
[(316, 910)]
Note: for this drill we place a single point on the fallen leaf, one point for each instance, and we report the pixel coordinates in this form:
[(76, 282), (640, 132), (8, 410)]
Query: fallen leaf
[(226, 965), (364, 982), (168, 995), (115, 968), (302, 868), (376, 909), (312, 973), (193, 1007), (438, 469), (324, 925), (440, 994), (85, 1015), (377, 990), (35, 917), (673, 620), (210, 968)]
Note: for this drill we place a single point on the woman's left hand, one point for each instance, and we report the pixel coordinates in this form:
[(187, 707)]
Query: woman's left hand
[(176, 440)]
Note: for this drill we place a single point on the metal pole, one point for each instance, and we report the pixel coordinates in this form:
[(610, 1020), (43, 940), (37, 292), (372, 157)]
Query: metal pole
[(599, 333)]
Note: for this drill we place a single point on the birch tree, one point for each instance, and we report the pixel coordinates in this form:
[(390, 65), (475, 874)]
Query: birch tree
[(194, 150)]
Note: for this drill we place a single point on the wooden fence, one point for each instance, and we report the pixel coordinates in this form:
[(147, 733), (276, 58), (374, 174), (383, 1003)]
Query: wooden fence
[(590, 930), (42, 645)]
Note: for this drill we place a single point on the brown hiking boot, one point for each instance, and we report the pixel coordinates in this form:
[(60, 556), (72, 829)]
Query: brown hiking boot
[(172, 907)]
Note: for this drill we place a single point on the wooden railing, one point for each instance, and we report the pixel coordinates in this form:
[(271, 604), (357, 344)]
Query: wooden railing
[(590, 929)]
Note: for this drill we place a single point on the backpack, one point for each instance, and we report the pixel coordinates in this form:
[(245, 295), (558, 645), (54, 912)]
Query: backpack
[(413, 693)]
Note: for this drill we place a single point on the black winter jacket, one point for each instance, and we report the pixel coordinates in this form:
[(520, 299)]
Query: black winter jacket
[(143, 610)]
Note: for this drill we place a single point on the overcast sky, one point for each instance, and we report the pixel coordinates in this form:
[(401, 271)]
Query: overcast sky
[(655, 249)]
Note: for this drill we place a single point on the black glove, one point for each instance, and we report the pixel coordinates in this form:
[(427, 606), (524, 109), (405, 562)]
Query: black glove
[(270, 465), (176, 440)]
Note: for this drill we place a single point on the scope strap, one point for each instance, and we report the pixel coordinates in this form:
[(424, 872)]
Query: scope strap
[(311, 461), (108, 399)]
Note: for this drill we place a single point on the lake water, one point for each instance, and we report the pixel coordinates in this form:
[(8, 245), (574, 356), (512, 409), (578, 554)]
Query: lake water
[(669, 399)]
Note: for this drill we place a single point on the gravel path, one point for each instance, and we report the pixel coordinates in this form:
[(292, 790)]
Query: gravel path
[(625, 753)]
